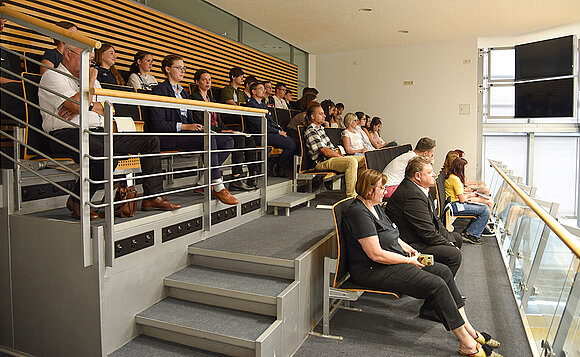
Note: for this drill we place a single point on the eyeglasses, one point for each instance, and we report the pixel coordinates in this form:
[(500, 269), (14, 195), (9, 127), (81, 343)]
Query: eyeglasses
[(180, 68), (382, 188)]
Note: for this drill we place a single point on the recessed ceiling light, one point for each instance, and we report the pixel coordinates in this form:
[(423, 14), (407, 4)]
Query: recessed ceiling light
[(276, 47), (403, 31), (365, 9), (225, 33)]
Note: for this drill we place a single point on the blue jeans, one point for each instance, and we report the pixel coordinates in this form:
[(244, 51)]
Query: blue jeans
[(481, 211)]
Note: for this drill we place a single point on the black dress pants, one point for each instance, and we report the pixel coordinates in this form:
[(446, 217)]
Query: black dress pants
[(239, 157), (218, 142), (445, 254), (433, 283), (122, 145)]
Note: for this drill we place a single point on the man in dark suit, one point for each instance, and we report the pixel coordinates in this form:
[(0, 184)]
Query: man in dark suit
[(174, 120), (275, 135), (411, 209)]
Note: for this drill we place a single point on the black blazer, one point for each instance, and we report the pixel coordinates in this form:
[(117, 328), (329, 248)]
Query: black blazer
[(198, 116), (165, 120), (414, 214)]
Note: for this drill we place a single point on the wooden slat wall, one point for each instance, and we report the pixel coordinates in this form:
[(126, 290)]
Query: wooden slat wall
[(131, 27)]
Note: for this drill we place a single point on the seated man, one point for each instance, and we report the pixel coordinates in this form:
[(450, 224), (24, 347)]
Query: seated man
[(276, 136), (411, 209), (174, 120), (279, 94), (63, 131), (233, 93), (395, 170), (323, 152)]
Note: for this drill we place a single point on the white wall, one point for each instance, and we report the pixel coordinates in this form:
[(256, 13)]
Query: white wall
[(372, 81)]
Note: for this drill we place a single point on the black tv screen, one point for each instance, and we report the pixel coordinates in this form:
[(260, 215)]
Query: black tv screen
[(544, 59), (545, 99)]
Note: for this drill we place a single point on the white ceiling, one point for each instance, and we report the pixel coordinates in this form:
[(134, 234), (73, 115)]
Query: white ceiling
[(327, 26)]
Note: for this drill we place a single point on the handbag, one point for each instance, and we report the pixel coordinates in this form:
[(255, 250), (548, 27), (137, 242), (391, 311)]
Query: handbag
[(125, 209)]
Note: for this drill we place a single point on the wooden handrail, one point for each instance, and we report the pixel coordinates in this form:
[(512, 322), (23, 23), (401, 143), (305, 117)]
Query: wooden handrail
[(79, 37), (172, 100), (566, 237)]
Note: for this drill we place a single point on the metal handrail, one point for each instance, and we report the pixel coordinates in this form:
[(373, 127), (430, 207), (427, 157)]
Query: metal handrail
[(566, 237), (173, 100)]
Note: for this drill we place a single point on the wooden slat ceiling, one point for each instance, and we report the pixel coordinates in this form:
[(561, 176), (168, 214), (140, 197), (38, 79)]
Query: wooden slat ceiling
[(131, 27)]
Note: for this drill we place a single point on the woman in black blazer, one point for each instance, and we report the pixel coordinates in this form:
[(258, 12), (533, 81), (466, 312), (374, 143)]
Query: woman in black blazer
[(201, 91), (175, 120)]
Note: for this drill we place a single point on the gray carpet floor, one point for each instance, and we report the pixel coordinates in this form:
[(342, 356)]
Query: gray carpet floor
[(390, 327)]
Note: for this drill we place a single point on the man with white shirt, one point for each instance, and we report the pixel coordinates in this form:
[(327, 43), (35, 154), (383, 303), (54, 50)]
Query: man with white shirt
[(395, 170), (279, 93), (411, 209), (62, 130)]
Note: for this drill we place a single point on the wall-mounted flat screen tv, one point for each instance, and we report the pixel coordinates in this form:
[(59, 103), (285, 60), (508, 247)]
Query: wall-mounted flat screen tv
[(545, 99), (544, 59)]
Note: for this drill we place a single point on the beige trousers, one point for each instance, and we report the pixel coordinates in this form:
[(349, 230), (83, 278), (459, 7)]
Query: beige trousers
[(350, 165)]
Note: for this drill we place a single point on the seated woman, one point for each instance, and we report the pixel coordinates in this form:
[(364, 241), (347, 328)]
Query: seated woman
[(174, 120), (470, 186), (467, 203), (329, 111), (375, 134), (105, 58), (379, 259), (362, 129), (202, 80), (352, 140), (299, 119), (140, 77), (53, 57)]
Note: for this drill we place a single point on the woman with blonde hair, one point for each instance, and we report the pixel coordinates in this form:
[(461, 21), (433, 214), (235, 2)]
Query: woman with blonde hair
[(352, 140)]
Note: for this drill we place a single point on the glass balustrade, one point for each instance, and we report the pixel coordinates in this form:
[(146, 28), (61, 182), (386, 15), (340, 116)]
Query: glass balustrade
[(543, 268)]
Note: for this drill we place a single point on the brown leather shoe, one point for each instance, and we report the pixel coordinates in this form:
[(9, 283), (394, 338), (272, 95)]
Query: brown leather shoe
[(75, 208), (225, 197), (159, 203)]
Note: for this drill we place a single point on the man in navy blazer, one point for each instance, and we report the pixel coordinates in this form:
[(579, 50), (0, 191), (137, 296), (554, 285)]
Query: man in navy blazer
[(174, 120), (275, 135), (411, 209)]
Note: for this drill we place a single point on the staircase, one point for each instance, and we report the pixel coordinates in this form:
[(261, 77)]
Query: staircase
[(226, 303)]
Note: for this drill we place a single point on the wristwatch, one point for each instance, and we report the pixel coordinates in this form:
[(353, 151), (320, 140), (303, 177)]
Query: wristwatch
[(91, 106)]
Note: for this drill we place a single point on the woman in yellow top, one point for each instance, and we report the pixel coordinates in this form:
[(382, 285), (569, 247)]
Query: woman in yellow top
[(466, 203), (470, 186)]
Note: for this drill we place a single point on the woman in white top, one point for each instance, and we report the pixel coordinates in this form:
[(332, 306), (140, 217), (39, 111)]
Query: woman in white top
[(352, 140), (140, 77)]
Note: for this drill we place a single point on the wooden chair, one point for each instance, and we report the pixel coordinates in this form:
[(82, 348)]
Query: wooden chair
[(282, 117), (342, 288), (30, 66), (307, 166)]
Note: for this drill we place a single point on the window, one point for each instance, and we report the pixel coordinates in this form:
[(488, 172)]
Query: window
[(263, 41), (200, 14), (556, 170)]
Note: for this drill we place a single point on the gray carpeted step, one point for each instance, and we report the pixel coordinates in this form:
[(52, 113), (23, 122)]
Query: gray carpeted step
[(211, 328), (240, 291), (145, 346)]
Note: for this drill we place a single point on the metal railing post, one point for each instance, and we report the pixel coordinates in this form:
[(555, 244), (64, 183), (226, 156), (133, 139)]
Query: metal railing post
[(84, 160), (207, 174), (535, 269), (264, 185), (109, 186)]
